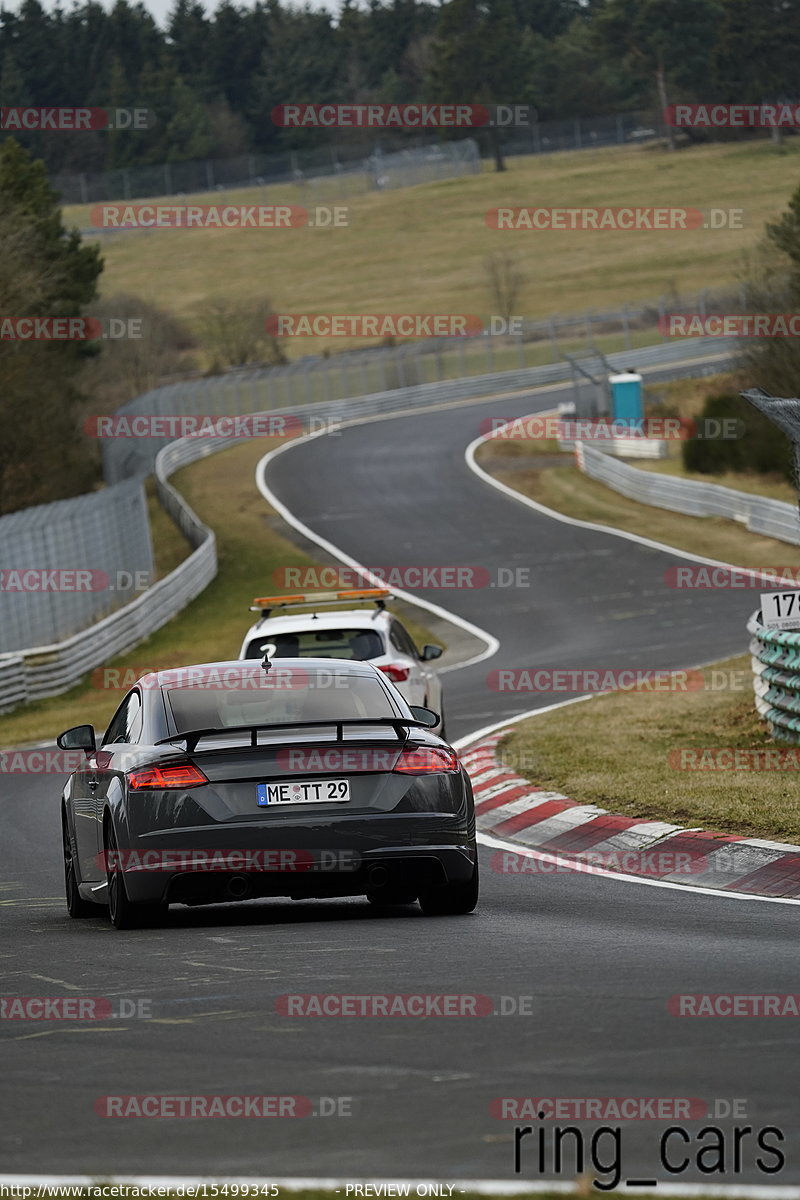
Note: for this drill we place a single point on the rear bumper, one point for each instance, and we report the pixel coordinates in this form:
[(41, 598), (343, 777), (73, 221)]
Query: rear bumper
[(342, 858)]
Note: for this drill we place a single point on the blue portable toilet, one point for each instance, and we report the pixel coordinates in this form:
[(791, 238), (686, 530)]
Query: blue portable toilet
[(626, 397)]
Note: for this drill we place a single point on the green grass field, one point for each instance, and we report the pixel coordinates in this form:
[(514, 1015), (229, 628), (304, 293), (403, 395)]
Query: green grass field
[(618, 751), (543, 472), (622, 751), (423, 249)]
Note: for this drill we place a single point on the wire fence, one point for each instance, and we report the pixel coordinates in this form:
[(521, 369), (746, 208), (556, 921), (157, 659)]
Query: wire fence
[(318, 176), (357, 164), (629, 334), (68, 564)]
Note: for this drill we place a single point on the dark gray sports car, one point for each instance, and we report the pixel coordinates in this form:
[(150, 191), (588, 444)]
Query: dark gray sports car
[(301, 778)]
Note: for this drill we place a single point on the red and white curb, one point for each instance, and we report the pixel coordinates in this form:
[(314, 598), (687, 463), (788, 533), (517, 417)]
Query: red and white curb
[(515, 810)]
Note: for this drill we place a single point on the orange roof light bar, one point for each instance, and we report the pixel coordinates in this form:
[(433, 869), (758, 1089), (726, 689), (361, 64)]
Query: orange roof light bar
[(320, 597)]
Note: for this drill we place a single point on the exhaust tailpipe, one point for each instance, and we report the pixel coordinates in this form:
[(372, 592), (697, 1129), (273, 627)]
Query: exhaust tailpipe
[(239, 887)]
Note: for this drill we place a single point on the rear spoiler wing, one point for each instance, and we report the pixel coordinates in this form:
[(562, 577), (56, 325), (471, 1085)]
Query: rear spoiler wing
[(193, 736)]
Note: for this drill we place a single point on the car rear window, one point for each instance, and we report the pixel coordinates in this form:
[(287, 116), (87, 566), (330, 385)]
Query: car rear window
[(289, 698), (360, 644)]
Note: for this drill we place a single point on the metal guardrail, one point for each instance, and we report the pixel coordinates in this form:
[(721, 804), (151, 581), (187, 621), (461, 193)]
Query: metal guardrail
[(105, 535), (775, 656), (50, 670), (284, 389), (624, 447), (772, 518)]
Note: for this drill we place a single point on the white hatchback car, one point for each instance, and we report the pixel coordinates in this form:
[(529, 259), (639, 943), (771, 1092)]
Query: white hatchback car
[(375, 636)]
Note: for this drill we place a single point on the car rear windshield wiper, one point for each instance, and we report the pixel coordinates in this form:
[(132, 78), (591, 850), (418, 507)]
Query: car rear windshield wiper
[(193, 736)]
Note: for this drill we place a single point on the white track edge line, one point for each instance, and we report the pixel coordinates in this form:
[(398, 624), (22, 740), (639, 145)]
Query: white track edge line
[(491, 642), (489, 840), (469, 455)]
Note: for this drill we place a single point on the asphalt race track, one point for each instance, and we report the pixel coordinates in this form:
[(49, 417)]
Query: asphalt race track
[(593, 961), (398, 492)]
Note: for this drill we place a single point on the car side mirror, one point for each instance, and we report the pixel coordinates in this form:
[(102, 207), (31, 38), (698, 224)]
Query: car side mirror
[(80, 737), (426, 715), (429, 651)]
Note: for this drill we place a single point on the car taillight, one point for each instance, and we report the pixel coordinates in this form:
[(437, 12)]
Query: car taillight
[(425, 760), (396, 672), (184, 775)]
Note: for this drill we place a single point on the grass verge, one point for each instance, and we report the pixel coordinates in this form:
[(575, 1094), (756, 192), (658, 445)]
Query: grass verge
[(424, 248), (623, 751), (222, 491), (546, 474), (568, 491)]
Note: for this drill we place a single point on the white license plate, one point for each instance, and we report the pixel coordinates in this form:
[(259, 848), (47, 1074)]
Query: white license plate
[(303, 791)]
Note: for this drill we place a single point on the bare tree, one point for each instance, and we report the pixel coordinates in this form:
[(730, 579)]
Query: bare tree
[(235, 334), (505, 279)]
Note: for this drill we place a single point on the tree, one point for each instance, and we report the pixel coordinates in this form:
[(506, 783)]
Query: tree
[(48, 273), (773, 286), (671, 41), (478, 59), (506, 280), (755, 60)]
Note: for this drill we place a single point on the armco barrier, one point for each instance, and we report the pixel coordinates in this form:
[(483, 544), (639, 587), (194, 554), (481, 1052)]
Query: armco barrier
[(49, 670), (776, 678), (285, 388), (105, 532), (772, 518)]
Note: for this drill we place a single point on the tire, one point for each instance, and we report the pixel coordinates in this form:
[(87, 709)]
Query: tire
[(77, 907), (124, 913), (451, 899), (387, 898)]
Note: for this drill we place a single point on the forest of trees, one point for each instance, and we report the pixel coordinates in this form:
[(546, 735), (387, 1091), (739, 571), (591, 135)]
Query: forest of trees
[(212, 79)]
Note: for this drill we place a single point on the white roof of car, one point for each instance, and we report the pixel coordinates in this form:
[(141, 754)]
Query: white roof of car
[(353, 618)]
